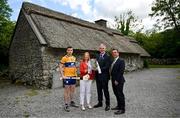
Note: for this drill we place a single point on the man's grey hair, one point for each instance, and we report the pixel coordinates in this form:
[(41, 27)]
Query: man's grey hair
[(102, 45)]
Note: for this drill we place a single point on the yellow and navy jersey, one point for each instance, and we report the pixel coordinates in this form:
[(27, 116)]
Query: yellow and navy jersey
[(69, 66)]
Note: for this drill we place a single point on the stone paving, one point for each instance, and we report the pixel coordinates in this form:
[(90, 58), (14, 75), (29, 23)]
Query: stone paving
[(150, 93)]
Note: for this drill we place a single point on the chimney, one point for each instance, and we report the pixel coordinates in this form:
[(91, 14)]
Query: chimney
[(101, 22)]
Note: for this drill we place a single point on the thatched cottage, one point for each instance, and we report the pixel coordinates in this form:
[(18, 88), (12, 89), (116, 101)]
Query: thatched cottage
[(42, 35)]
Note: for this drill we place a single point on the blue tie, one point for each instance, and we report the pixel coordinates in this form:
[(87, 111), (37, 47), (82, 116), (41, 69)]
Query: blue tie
[(101, 56)]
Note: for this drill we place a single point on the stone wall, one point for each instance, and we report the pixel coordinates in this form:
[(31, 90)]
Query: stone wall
[(164, 61), (25, 63), (132, 61)]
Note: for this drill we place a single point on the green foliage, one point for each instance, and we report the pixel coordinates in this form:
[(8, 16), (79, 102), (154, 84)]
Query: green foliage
[(169, 12), (164, 66), (125, 22), (146, 64), (3, 67), (6, 30), (5, 10), (165, 44)]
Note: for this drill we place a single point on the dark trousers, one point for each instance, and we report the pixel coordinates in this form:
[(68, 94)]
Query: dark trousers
[(118, 91), (102, 87)]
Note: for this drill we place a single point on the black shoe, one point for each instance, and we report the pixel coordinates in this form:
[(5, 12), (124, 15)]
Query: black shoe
[(107, 108), (72, 104), (119, 112), (115, 108), (66, 108), (98, 105)]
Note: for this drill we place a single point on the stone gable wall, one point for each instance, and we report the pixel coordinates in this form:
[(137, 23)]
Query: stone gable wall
[(25, 62)]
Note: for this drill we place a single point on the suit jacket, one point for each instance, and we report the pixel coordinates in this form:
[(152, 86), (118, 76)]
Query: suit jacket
[(104, 64), (118, 71)]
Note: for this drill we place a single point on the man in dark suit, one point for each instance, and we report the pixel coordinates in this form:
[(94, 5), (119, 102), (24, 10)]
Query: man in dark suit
[(102, 78), (116, 72)]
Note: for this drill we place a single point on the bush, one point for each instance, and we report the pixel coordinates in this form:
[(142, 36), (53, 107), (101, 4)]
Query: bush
[(145, 63)]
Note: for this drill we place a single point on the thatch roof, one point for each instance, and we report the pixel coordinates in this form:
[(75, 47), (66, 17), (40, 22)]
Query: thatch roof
[(57, 30)]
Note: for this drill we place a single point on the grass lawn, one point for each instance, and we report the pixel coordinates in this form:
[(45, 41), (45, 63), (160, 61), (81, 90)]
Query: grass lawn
[(164, 66)]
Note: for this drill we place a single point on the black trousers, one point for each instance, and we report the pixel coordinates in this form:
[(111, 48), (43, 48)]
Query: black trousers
[(102, 87), (118, 91)]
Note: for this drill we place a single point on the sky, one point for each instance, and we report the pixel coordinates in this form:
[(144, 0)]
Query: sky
[(92, 10)]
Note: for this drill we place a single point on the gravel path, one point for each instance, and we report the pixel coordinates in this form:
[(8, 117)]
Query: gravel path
[(151, 93)]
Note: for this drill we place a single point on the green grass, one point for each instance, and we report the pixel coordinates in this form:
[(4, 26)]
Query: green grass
[(178, 77), (164, 66)]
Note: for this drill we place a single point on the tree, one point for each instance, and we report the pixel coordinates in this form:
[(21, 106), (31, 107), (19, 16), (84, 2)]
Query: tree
[(5, 12), (6, 30), (163, 44), (168, 12), (126, 21)]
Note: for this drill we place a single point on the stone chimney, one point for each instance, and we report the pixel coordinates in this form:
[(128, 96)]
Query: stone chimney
[(101, 22)]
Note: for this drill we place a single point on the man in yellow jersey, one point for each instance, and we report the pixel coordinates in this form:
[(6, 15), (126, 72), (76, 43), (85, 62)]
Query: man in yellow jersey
[(68, 70)]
